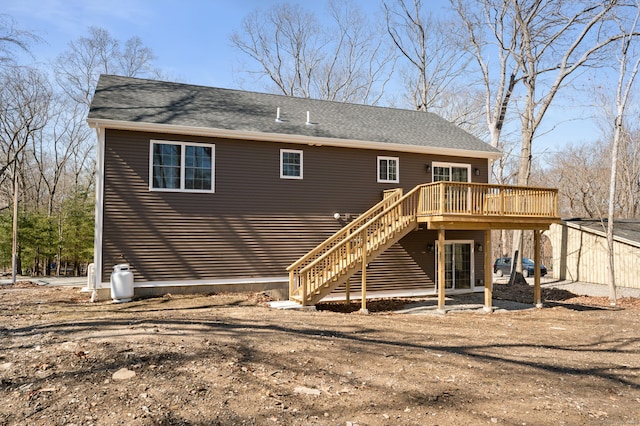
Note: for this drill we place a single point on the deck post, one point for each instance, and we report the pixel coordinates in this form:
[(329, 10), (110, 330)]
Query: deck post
[(363, 308), (347, 300), (488, 272), (441, 279), (291, 286), (303, 284), (537, 293)]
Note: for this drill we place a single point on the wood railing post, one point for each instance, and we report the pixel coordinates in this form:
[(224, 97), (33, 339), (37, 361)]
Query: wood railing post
[(303, 286), (441, 279), (348, 250), (291, 283), (537, 293), (363, 308), (488, 272)]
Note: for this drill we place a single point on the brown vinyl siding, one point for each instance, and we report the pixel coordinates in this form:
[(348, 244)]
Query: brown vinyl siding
[(409, 266), (255, 224)]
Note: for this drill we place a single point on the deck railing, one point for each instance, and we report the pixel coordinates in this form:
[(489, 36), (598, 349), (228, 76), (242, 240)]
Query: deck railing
[(389, 197), (443, 198), (373, 231)]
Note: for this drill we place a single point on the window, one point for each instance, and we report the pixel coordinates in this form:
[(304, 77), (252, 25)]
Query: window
[(290, 164), (451, 172), (388, 170), (180, 166)]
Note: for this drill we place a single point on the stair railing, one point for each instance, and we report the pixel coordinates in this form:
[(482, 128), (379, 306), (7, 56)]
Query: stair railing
[(389, 197), (347, 254)]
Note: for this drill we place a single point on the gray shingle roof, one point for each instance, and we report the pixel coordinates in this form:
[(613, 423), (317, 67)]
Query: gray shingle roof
[(627, 229), (157, 102)]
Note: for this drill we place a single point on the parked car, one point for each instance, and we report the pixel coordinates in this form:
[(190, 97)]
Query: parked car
[(502, 266)]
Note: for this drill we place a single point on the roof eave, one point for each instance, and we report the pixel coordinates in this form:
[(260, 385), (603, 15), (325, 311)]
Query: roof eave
[(602, 234), (286, 138)]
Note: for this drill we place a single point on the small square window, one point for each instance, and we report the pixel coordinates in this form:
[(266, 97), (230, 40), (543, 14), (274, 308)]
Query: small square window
[(388, 170), (290, 164)]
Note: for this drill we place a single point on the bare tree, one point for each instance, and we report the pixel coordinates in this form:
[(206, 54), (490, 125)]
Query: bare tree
[(628, 170), (579, 171), (285, 42), (346, 62), (556, 39), (463, 106), (24, 107), (12, 39), (434, 61), (77, 69), (53, 151), (136, 59), (629, 64), (489, 31), (538, 45), (553, 41), (490, 38), (24, 102)]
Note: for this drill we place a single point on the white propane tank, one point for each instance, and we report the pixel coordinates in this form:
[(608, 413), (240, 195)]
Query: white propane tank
[(121, 283)]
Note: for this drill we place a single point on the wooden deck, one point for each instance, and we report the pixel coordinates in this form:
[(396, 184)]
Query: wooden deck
[(441, 206), (469, 206)]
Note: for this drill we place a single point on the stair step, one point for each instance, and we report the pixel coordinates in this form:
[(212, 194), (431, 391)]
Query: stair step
[(383, 233)]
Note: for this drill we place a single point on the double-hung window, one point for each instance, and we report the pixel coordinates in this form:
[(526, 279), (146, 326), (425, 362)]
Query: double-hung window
[(290, 164), (388, 169), (181, 166)]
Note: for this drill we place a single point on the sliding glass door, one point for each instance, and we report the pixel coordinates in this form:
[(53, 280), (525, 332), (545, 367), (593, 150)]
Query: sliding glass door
[(458, 265), (455, 196)]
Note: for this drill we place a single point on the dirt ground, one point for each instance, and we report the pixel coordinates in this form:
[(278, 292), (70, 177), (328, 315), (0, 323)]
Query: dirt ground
[(230, 360)]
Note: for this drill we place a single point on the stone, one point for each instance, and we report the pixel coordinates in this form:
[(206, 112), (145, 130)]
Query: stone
[(307, 391), (69, 347), (123, 374)]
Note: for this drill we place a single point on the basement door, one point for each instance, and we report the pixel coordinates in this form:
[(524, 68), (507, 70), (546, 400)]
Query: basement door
[(458, 265)]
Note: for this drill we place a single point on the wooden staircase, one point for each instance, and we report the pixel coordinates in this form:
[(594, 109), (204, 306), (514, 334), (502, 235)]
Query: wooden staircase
[(333, 262), (450, 205)]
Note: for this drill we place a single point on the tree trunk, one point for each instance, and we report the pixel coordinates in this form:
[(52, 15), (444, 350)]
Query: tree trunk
[(15, 258), (625, 86), (611, 213)]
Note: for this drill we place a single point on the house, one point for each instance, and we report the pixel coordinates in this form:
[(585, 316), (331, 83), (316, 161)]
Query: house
[(581, 254), (205, 189)]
